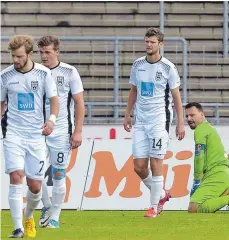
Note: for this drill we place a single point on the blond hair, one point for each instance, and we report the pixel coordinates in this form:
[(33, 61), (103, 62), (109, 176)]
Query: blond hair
[(151, 32), (48, 40), (19, 41)]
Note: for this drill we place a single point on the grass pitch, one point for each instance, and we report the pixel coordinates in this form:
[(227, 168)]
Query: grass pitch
[(130, 225)]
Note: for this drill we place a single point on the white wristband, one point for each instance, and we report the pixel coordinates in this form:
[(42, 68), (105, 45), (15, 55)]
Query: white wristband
[(52, 118)]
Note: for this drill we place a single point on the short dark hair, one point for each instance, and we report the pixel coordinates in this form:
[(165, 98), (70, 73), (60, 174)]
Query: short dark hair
[(151, 32), (194, 104), (48, 40)]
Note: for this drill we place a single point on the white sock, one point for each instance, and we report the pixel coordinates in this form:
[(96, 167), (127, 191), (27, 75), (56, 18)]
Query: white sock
[(16, 203), (156, 191), (45, 196), (58, 195), (148, 181), (32, 203)]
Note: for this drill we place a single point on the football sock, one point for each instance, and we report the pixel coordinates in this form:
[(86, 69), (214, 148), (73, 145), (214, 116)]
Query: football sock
[(32, 203), (45, 196), (58, 195), (16, 203), (148, 180), (156, 191)]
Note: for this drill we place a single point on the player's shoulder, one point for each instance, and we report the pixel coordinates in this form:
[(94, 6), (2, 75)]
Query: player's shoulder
[(203, 128), (139, 61), (66, 66), (166, 62), (66, 69), (8, 70), (40, 67)]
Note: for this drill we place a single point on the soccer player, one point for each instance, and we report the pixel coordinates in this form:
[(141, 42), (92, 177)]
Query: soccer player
[(23, 86), (211, 166), (62, 140), (155, 81)]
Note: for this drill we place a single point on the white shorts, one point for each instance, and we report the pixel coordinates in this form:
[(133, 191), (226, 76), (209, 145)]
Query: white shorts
[(149, 142), (26, 155), (59, 151)]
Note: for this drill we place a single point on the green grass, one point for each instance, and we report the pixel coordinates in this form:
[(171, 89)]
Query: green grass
[(120, 225)]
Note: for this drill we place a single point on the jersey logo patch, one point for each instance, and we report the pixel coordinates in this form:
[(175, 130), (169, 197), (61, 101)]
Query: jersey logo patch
[(147, 89), (34, 86), (25, 101), (60, 80), (199, 148), (158, 76)]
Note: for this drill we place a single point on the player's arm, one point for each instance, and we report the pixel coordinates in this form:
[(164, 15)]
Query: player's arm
[(199, 159), (200, 153), (180, 132), (131, 100), (174, 84), (2, 99), (76, 138), (51, 93), (76, 87), (2, 108)]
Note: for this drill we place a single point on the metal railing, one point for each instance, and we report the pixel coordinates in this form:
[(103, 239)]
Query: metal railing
[(116, 41), (214, 120)]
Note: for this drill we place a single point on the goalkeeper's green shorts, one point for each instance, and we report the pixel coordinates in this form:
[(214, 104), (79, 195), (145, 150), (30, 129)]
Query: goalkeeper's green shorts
[(213, 184)]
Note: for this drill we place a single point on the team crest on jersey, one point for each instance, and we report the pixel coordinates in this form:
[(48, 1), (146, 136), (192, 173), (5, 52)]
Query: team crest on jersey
[(158, 76), (34, 86), (60, 80)]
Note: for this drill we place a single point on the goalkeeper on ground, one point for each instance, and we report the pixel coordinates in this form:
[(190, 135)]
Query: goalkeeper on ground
[(210, 191)]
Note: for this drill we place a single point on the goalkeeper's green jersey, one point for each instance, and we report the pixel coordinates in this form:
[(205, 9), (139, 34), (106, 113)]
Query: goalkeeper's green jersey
[(209, 150)]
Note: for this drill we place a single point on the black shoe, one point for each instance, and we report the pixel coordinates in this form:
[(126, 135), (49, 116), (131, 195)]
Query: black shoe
[(17, 234)]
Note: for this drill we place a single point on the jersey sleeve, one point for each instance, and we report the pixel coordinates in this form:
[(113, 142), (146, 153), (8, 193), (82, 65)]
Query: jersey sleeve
[(50, 85), (174, 78), (200, 152), (76, 85), (3, 92), (133, 79)]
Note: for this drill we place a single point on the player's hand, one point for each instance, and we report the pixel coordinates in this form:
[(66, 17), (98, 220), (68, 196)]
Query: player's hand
[(127, 123), (76, 139), (180, 132), (196, 184), (47, 128)]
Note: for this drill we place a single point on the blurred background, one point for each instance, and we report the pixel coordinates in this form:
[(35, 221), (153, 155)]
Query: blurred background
[(102, 39)]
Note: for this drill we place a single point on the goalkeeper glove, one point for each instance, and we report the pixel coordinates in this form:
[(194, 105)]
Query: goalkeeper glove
[(196, 184)]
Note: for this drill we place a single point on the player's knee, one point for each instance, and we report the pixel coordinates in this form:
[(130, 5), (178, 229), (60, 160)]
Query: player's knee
[(16, 177), (58, 174), (34, 185), (192, 208), (141, 172)]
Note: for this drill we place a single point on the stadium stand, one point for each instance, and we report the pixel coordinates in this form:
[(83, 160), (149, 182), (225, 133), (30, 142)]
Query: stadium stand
[(200, 23)]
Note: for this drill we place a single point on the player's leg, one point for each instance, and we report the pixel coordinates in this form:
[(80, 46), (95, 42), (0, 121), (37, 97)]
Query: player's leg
[(211, 194), (35, 163), (140, 155), (140, 149), (46, 210), (158, 147), (59, 161), (45, 196), (14, 165)]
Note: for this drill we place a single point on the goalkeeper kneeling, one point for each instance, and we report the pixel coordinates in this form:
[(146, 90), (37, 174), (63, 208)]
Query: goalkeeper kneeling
[(210, 190)]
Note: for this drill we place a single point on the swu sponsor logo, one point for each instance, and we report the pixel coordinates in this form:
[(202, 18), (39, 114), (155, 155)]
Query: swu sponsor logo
[(25, 101), (147, 89)]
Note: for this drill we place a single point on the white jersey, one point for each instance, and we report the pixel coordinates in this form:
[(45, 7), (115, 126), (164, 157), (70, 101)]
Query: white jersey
[(24, 93), (154, 82), (68, 83)]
